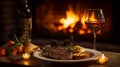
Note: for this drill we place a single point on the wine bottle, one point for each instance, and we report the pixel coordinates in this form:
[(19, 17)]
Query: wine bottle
[(25, 21)]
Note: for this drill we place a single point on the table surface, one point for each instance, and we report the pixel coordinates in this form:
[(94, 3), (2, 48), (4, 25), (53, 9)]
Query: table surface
[(113, 61)]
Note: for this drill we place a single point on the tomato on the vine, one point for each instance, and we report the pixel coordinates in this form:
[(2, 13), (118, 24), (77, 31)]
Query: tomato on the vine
[(20, 48), (2, 51), (10, 42)]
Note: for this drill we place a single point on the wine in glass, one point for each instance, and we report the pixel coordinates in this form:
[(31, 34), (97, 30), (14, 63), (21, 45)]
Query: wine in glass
[(94, 21)]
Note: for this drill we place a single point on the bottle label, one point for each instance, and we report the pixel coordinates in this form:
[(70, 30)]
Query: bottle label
[(27, 28)]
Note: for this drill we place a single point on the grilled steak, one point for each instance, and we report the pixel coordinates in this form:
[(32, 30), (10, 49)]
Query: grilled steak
[(59, 52)]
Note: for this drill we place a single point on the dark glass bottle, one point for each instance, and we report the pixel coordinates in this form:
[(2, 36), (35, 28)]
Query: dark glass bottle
[(24, 21)]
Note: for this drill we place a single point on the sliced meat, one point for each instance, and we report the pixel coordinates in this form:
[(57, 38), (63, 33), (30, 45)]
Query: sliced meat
[(59, 52)]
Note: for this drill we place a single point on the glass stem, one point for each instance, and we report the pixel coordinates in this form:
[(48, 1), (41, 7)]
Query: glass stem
[(94, 42)]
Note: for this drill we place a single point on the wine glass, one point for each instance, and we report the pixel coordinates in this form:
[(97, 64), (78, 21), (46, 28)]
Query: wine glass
[(94, 21)]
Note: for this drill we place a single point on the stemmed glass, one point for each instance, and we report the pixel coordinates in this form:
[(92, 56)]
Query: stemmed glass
[(94, 21)]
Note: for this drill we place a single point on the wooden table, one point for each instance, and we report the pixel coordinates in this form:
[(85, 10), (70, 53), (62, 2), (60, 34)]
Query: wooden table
[(114, 61)]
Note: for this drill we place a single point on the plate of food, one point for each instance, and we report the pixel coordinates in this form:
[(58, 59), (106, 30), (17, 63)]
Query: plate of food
[(61, 54)]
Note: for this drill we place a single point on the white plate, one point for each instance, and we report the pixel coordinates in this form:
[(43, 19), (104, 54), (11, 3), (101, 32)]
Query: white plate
[(96, 54)]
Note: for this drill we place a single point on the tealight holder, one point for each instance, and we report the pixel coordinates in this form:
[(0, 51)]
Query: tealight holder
[(26, 55), (102, 59)]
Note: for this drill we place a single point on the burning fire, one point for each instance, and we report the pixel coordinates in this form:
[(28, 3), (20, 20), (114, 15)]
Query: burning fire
[(71, 20), (55, 20)]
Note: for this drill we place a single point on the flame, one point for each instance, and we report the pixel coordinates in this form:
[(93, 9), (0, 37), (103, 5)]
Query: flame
[(103, 56), (92, 17), (70, 20), (83, 22)]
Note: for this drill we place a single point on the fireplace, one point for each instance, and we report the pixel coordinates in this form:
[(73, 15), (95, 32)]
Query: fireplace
[(65, 18)]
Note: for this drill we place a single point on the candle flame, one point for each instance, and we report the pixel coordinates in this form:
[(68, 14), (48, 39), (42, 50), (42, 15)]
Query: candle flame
[(103, 56)]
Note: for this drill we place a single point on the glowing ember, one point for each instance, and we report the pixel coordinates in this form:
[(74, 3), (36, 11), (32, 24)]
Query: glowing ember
[(60, 27), (81, 31), (71, 30)]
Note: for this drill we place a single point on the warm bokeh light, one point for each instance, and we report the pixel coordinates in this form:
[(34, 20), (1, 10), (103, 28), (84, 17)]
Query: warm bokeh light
[(26, 62), (81, 31), (60, 28), (71, 30)]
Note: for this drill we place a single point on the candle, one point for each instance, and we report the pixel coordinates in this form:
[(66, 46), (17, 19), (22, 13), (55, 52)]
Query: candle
[(103, 59), (26, 55)]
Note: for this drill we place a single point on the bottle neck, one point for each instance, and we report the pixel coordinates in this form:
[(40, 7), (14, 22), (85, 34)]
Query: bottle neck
[(25, 4), (24, 10)]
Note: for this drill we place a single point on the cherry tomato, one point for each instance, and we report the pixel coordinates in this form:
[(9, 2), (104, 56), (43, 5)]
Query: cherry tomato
[(10, 42), (20, 49), (2, 51), (14, 52)]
